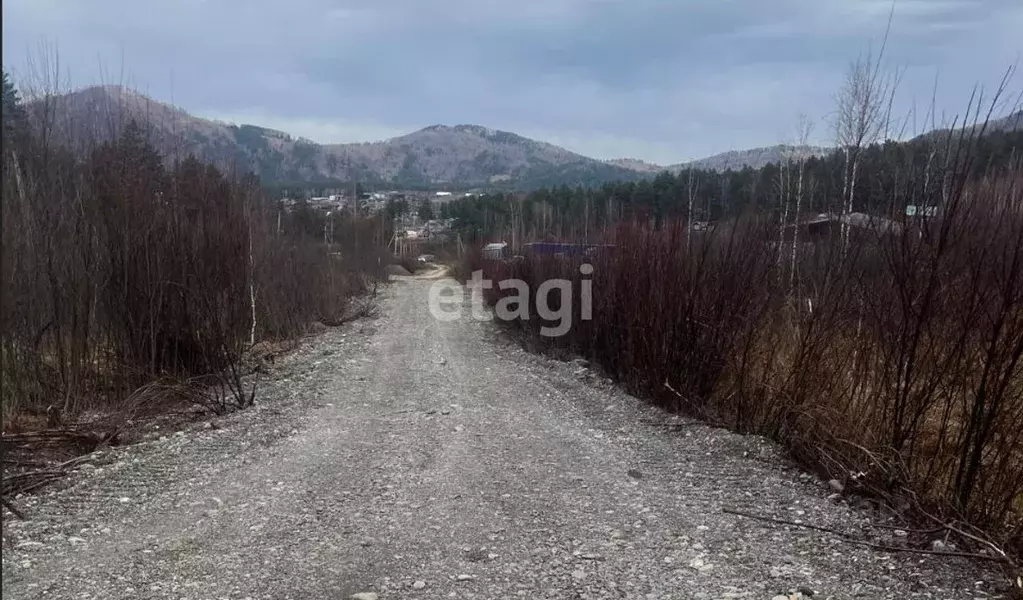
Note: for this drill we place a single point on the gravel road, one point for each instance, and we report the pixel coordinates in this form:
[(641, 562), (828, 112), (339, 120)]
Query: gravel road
[(412, 458)]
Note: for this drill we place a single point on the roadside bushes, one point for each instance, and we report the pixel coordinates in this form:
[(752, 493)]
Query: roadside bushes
[(890, 359), (121, 269)]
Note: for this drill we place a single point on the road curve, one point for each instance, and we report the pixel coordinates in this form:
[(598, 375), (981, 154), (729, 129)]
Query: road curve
[(414, 458)]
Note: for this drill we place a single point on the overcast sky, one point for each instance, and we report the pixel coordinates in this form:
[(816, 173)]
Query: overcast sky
[(659, 80)]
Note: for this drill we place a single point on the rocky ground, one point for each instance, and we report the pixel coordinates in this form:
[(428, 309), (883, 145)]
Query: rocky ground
[(407, 457)]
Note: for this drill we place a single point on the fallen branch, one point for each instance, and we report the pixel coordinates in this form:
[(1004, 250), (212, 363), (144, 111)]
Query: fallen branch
[(849, 538), (20, 483), (888, 548), (7, 504), (732, 511), (994, 547), (38, 484), (908, 530)]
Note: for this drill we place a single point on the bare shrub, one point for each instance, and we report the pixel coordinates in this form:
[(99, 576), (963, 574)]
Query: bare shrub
[(123, 270), (893, 361)]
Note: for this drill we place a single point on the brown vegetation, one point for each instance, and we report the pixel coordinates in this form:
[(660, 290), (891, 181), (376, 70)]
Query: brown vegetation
[(135, 282), (888, 358)]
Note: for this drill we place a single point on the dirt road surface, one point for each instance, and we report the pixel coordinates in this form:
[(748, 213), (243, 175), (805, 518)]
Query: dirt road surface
[(413, 458)]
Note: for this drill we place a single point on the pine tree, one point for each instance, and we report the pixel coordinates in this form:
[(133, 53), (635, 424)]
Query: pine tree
[(426, 211), (13, 111)]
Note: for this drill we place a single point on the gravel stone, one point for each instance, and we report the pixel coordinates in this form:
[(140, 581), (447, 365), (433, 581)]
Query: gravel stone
[(338, 482)]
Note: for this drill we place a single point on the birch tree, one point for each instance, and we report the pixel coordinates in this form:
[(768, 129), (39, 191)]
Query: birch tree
[(862, 117), (692, 188), (804, 128)]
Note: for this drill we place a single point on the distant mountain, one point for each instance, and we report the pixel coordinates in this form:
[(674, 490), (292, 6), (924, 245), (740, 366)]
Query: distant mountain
[(1013, 122), (759, 157), (95, 114), (754, 158), (459, 156), (736, 159), (634, 164), (1007, 124), (98, 113), (440, 155), (474, 155)]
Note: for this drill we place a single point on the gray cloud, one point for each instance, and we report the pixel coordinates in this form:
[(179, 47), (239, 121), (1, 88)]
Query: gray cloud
[(655, 79)]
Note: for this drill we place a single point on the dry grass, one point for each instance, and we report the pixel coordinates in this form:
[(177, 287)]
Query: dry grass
[(892, 364)]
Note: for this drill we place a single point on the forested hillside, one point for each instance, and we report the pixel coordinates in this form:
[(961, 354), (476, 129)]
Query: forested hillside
[(564, 212)]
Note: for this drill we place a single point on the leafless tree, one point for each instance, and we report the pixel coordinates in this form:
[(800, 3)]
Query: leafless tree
[(862, 116), (692, 189), (784, 184), (804, 128)]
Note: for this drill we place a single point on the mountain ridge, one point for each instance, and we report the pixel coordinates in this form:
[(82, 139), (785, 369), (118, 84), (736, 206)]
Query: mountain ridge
[(437, 155), (463, 155), (754, 158)]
